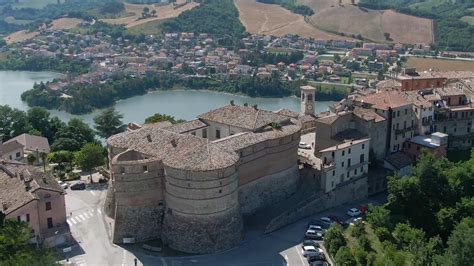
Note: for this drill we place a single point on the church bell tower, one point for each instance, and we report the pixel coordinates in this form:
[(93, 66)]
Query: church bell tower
[(307, 100)]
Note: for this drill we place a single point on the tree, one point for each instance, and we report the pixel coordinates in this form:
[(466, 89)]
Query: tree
[(31, 159), (44, 159), (334, 239), (13, 122), (61, 158), (378, 216), (153, 13), (161, 118), (73, 136), (90, 157), (461, 243), (109, 123), (15, 248), (344, 257)]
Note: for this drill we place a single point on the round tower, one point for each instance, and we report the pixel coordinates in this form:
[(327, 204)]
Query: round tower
[(308, 98), (202, 205)]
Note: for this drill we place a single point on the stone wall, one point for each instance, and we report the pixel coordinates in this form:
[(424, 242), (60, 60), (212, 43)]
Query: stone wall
[(349, 192), (141, 223), (268, 190), (203, 234)]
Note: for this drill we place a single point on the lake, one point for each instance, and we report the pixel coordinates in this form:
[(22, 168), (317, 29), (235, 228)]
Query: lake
[(182, 104)]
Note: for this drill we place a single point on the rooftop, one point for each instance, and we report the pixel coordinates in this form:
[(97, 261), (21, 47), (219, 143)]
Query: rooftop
[(399, 160), (32, 142), (384, 100)]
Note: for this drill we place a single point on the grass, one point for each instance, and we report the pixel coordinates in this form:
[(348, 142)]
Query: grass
[(38, 4), (149, 28), (427, 6)]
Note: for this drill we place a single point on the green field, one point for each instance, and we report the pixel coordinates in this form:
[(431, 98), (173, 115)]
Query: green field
[(150, 28), (35, 3)]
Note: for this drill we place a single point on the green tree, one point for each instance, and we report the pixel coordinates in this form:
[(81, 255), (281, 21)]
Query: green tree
[(15, 248), (461, 243), (161, 118), (31, 159), (13, 122), (73, 136), (90, 157), (378, 216), (334, 239), (109, 123), (344, 257)]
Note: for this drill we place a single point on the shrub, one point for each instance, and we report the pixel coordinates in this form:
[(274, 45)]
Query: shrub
[(360, 256), (364, 243), (383, 234), (344, 257)]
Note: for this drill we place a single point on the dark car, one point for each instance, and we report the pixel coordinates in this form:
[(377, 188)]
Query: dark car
[(79, 186), (318, 263), (316, 257)]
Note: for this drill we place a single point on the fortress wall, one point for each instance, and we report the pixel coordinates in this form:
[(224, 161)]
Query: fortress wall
[(138, 199), (205, 208), (268, 190), (204, 233), (268, 175)]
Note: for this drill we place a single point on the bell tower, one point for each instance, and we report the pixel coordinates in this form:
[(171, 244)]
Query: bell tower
[(307, 100)]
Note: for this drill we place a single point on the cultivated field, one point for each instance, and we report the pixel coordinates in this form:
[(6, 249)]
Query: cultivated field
[(66, 23), (440, 64), (20, 36), (371, 24), (162, 12), (275, 20)]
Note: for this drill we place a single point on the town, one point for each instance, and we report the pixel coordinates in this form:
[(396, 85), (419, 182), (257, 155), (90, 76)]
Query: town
[(381, 174)]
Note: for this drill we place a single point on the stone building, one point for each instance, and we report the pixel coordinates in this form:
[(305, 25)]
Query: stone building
[(192, 184)]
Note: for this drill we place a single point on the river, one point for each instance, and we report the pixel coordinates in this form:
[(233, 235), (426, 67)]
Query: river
[(183, 104)]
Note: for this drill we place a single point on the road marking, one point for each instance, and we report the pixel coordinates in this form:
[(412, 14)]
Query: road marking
[(92, 192), (124, 258), (68, 222), (86, 215), (164, 262), (82, 217), (90, 213), (299, 255), (99, 211), (72, 220), (285, 263)]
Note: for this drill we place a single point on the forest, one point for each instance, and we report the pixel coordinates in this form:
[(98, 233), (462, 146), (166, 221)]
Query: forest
[(451, 33), (291, 5)]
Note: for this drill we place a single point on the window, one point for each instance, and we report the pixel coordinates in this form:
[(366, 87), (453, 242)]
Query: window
[(27, 217), (48, 205), (310, 97), (349, 151), (362, 169), (218, 133), (333, 173), (342, 164), (348, 174), (145, 168), (343, 152), (332, 155), (355, 172), (122, 170), (363, 146), (342, 178), (348, 162), (193, 133), (362, 158), (398, 113), (204, 133), (18, 155), (404, 124), (50, 222), (232, 133), (393, 114), (332, 183), (406, 111)]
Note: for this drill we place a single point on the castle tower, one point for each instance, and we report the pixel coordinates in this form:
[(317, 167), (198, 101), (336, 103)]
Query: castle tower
[(307, 100)]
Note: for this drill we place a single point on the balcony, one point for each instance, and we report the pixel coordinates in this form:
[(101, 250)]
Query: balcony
[(404, 130)]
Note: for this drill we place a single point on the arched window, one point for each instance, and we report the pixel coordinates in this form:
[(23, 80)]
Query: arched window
[(310, 97)]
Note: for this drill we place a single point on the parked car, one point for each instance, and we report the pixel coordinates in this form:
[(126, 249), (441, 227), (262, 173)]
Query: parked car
[(364, 208), (336, 219), (303, 145), (309, 242), (63, 184), (313, 234), (318, 262), (355, 220), (316, 228), (79, 186), (311, 250), (354, 212), (326, 221)]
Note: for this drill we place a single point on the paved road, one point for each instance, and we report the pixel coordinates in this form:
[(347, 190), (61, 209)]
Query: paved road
[(88, 227)]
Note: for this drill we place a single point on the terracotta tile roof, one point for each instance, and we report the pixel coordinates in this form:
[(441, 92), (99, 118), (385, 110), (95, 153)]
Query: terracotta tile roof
[(187, 126), (10, 146), (15, 192), (243, 117), (332, 118), (288, 112), (31, 142), (368, 114), (384, 100), (388, 84), (307, 118)]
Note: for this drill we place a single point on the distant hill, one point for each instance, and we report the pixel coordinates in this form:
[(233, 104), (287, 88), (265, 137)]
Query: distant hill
[(454, 26)]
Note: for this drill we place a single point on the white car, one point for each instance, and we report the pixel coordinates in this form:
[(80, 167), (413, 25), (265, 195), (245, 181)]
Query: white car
[(313, 234), (354, 220), (63, 184), (354, 212), (303, 145), (316, 228), (311, 250)]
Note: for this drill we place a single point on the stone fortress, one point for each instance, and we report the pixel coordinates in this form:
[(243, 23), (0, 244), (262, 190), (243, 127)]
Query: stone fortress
[(192, 184)]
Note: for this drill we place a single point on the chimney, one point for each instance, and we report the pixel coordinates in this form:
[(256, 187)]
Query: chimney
[(148, 137)]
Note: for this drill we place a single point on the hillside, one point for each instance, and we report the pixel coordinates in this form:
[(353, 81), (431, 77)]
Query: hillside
[(353, 20), (454, 29)]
